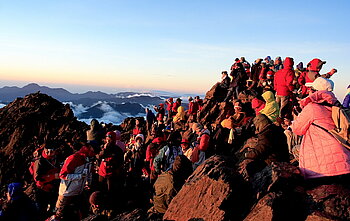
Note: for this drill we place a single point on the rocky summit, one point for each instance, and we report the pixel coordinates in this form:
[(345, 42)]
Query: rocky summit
[(216, 190)]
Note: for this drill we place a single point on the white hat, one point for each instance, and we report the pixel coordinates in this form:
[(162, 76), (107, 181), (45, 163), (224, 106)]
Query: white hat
[(323, 84)]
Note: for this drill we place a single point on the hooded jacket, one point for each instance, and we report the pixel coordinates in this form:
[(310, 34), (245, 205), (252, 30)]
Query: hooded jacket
[(180, 115), (283, 81), (112, 158), (271, 109), (271, 145), (320, 153), (75, 172)]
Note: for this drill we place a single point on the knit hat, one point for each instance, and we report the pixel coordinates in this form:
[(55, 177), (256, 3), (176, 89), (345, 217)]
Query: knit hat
[(323, 84), (300, 66), (185, 141), (268, 59)]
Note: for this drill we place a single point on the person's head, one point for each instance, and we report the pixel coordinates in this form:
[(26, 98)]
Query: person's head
[(178, 100), (87, 150), (242, 59), (182, 168), (237, 105), (174, 138), (267, 59), (278, 60), (190, 98), (197, 128), (139, 139), (185, 144), (224, 73), (111, 137), (49, 151), (315, 64), (97, 201), (322, 84), (14, 191)]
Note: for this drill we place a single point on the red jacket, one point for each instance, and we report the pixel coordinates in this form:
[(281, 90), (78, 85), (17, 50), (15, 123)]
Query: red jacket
[(175, 106), (283, 82), (193, 107)]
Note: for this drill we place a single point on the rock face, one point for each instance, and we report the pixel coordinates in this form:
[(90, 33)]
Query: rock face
[(29, 122), (213, 192)]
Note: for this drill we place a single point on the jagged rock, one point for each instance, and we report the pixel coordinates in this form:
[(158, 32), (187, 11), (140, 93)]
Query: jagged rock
[(216, 93), (215, 191), (137, 214), (29, 122), (278, 206), (318, 217), (280, 176), (330, 201)]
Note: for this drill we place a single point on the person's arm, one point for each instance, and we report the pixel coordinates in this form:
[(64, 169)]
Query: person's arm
[(303, 121)]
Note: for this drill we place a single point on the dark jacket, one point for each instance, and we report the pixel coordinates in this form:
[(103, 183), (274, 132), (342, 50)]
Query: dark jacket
[(272, 144)]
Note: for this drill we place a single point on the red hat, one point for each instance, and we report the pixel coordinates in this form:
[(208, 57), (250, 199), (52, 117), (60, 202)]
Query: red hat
[(315, 64), (185, 141), (112, 135), (170, 99), (161, 105)]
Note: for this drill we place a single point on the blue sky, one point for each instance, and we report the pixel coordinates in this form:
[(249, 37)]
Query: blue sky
[(166, 45)]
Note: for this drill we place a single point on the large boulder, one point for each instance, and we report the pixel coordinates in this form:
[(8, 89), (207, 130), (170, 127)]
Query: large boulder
[(329, 201), (29, 122), (215, 191)]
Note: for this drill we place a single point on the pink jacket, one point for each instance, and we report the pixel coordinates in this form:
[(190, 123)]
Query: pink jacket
[(320, 153)]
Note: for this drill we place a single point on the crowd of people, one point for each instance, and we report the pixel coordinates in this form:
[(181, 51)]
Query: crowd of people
[(271, 112)]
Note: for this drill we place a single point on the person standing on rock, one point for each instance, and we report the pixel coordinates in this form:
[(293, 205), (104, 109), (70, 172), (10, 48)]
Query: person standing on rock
[(45, 171), (75, 176), (321, 155), (283, 84), (110, 171)]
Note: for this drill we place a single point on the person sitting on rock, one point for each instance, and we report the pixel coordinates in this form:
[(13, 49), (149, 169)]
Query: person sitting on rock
[(271, 109), (18, 206), (46, 170), (201, 145), (225, 80), (180, 119), (169, 183), (271, 146), (186, 148)]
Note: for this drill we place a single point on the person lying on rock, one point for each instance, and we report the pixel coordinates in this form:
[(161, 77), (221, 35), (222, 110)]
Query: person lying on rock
[(169, 184), (271, 147)]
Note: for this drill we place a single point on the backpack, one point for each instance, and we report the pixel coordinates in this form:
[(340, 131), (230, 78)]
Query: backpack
[(341, 119)]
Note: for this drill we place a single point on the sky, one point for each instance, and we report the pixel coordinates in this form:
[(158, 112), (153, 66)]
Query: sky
[(179, 46)]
